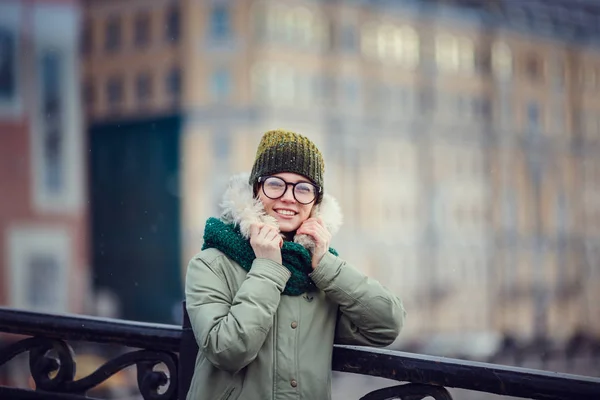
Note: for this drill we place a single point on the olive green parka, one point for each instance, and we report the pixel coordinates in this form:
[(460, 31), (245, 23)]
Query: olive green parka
[(257, 344)]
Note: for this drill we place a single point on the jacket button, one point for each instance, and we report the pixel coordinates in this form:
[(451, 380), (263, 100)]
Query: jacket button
[(294, 325), (294, 383)]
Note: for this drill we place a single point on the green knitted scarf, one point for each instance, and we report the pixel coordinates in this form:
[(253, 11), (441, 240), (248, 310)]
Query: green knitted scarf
[(228, 239)]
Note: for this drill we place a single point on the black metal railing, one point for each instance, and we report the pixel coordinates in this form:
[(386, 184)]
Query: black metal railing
[(45, 338)]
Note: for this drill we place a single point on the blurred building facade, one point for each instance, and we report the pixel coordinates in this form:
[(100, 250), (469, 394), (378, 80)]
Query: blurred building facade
[(44, 261), (461, 137)]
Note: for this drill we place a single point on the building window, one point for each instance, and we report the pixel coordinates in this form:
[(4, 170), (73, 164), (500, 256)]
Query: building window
[(470, 107), (86, 38), (591, 175), (39, 260), (260, 20), (221, 84), (533, 117), (562, 214), (113, 34), (381, 97), (505, 110), (260, 83), (89, 94), (482, 108), (173, 25), (589, 78), (509, 210), (482, 62), (142, 30), (305, 88), (559, 74), (275, 83), (559, 126), (464, 107), (324, 88), (404, 100), (114, 91), (348, 38), (590, 124), (220, 23), (283, 85), (173, 84), (52, 124), (391, 43), (222, 146), (143, 88), (502, 62), (297, 26), (301, 27), (454, 54), (43, 268), (350, 90), (534, 67), (8, 63)]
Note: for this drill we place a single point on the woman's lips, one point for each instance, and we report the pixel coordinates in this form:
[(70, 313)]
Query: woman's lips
[(287, 214)]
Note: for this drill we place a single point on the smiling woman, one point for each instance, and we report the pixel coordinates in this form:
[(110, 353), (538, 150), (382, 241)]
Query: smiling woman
[(267, 297)]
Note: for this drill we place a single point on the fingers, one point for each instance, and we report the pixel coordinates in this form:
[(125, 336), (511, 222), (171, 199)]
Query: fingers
[(255, 229), (320, 235), (264, 233), (269, 234), (315, 221), (312, 226), (266, 242)]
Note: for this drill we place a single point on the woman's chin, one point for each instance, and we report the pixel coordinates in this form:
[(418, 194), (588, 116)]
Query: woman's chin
[(287, 226)]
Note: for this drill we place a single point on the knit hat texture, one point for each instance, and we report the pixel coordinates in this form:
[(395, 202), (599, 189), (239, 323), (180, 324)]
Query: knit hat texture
[(285, 151)]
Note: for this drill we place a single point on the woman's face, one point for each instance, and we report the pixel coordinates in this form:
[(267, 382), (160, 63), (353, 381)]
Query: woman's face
[(288, 212)]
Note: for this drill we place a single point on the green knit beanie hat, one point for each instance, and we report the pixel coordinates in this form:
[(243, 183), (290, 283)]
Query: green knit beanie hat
[(285, 151)]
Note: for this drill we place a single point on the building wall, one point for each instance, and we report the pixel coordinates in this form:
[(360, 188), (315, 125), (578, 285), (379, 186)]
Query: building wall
[(131, 56), (466, 154), (43, 217)]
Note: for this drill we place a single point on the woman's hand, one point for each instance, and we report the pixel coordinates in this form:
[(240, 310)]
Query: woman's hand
[(266, 242), (315, 228)]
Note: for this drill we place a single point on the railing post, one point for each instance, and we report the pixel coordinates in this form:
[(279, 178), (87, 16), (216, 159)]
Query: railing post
[(188, 350)]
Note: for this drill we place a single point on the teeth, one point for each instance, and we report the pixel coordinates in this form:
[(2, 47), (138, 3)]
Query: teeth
[(286, 212)]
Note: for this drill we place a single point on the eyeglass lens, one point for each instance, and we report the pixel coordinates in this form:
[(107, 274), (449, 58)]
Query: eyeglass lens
[(275, 187)]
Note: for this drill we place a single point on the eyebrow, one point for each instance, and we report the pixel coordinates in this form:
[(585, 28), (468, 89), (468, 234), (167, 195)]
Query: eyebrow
[(299, 181)]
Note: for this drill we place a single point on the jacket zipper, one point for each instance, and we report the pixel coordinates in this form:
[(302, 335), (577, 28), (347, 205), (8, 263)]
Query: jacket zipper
[(274, 330), (228, 393)]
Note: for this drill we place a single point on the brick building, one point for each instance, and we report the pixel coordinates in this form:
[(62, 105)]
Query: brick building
[(43, 208)]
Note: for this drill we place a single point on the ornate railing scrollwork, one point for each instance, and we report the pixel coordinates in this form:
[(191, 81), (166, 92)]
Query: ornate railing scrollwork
[(409, 391), (42, 365), (53, 368)]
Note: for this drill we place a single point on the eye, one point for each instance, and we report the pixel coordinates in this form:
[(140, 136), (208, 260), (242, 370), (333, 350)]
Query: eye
[(274, 183), (305, 188)]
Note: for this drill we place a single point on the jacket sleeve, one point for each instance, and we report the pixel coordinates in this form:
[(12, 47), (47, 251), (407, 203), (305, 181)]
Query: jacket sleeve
[(230, 328), (370, 314)]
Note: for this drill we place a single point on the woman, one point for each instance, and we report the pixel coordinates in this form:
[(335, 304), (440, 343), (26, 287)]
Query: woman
[(267, 297)]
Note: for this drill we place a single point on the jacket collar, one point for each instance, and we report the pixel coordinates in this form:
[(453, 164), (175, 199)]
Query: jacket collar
[(239, 207)]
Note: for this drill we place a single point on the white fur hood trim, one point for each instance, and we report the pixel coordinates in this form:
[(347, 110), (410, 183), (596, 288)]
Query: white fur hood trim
[(241, 208)]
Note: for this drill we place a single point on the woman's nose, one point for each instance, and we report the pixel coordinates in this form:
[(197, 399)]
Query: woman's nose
[(288, 195)]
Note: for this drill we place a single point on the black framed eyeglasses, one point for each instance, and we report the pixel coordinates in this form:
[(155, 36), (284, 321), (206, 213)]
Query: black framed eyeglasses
[(274, 188)]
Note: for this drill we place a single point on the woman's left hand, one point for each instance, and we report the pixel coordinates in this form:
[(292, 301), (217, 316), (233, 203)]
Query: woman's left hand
[(315, 228)]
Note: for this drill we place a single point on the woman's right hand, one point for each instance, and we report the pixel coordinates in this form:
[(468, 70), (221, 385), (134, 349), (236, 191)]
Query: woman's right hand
[(266, 242)]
